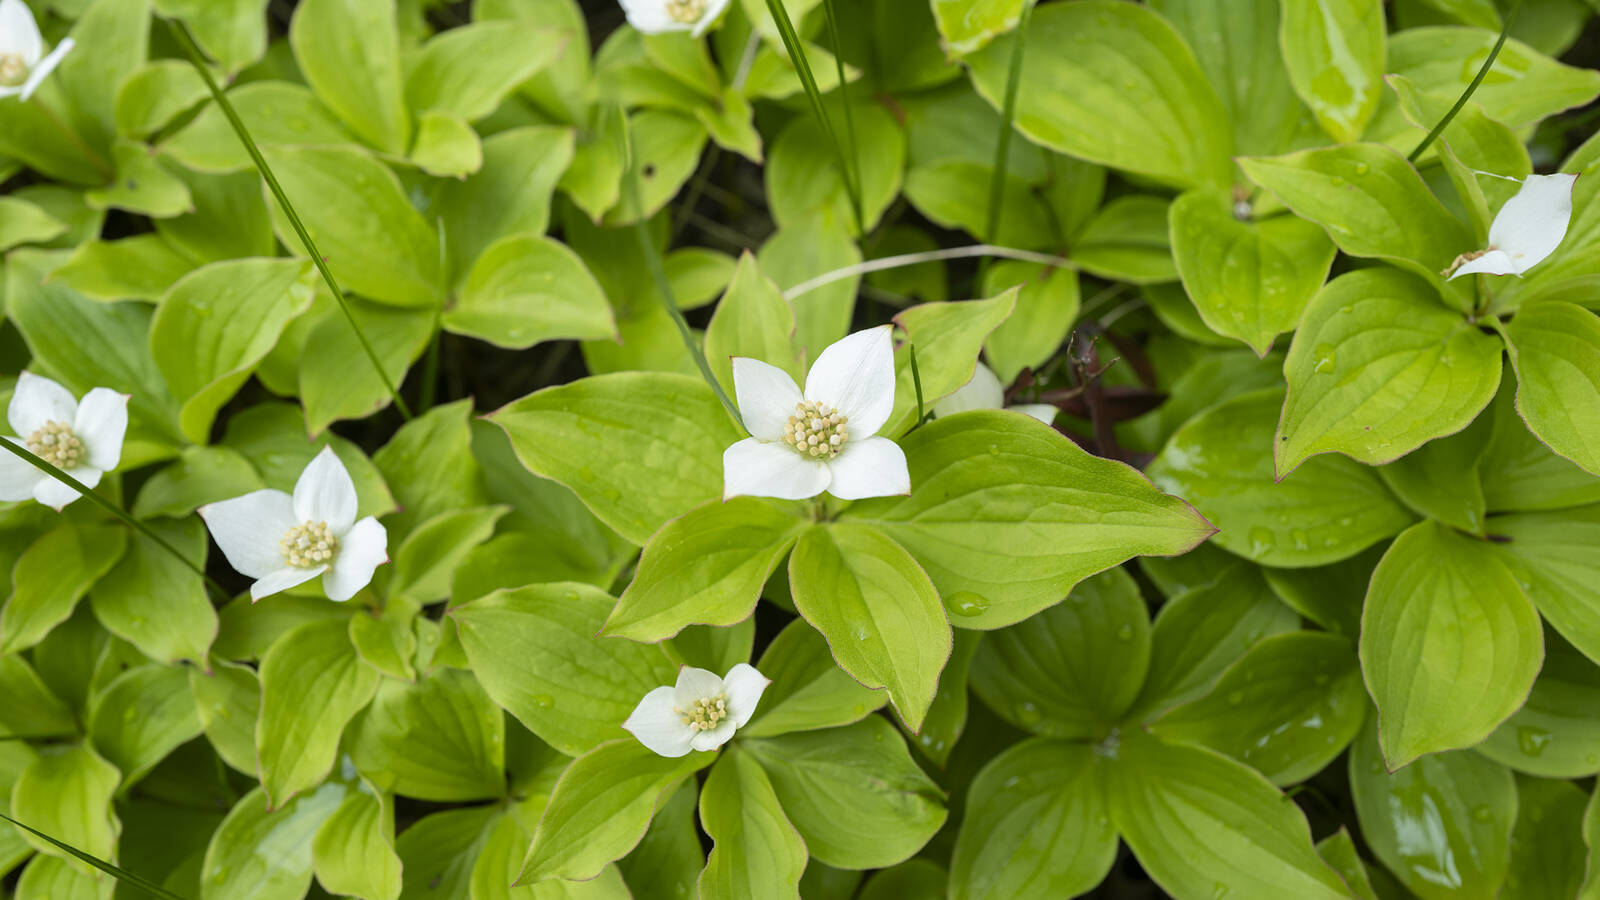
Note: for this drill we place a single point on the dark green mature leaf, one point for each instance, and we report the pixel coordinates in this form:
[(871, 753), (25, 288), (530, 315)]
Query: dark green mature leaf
[(1555, 348), (27, 706), (141, 716), (1442, 480), (758, 853), (1548, 855)]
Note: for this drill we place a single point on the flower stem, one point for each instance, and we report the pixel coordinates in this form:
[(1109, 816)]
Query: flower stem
[(185, 40), (1002, 153), (1483, 71), (912, 259)]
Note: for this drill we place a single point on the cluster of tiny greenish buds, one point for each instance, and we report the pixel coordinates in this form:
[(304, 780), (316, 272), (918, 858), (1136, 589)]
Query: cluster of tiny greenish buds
[(816, 430), (57, 445), (13, 71), (705, 713), (686, 11), (309, 545)]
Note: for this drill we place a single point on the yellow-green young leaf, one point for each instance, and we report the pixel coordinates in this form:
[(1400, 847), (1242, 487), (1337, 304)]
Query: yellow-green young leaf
[(1450, 644), (601, 807), (1546, 551), (509, 195), (1006, 515), (1548, 855), (1249, 280), (469, 71), (235, 865), (796, 254), (1117, 86), (1379, 367), (1036, 826), (143, 184), (336, 378), (141, 716), (1591, 833), (803, 181), (155, 602), (954, 193), (440, 739), (1046, 307), (387, 640), (353, 851), (446, 145), (1440, 479), (968, 25), (758, 854), (527, 288), (877, 609), (752, 319), (854, 793), (50, 577), (1555, 348), (1202, 824), (229, 700), (22, 222), (1339, 851), (1485, 160), (946, 720), (948, 338), (312, 684), (536, 652), (1555, 734), (1334, 50), (272, 438), (440, 848), (53, 878), (27, 707), (141, 267), (664, 150), (638, 448), (233, 32), (66, 792), (808, 691), (503, 845), (113, 41), (431, 553), (594, 181), (705, 567), (276, 113), (1128, 240), (32, 133), (1464, 806), (349, 51)]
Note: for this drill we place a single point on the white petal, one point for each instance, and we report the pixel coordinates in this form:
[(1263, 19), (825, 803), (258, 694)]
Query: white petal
[(248, 530), (874, 467), (651, 17), (19, 33), (1044, 412), (1531, 224), (325, 493), (744, 686), (658, 726), (45, 67), (101, 422), (9, 91), (38, 400), (754, 468), (17, 475), (695, 684), (53, 493), (283, 579), (362, 550), (1495, 262), (855, 375), (713, 11), (716, 737), (984, 391), (766, 396)]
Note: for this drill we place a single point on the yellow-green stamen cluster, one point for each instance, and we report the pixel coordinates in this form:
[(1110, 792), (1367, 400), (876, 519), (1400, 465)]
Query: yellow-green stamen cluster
[(309, 545), (57, 445), (705, 713), (686, 11), (816, 430), (13, 71)]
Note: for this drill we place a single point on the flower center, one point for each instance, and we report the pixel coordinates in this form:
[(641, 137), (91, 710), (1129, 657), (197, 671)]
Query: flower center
[(57, 445), (816, 430), (13, 71), (686, 11), (308, 545), (705, 713)]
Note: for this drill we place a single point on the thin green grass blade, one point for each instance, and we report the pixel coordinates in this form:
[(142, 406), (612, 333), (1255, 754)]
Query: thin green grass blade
[(850, 148), (117, 872), (1488, 63), (1008, 115)]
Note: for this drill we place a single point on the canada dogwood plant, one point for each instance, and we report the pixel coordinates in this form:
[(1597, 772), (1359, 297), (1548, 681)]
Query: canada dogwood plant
[(83, 439), (699, 712), (23, 63)]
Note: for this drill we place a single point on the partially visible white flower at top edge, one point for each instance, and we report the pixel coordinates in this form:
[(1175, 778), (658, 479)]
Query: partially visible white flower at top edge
[(23, 63), (662, 16), (824, 439), (984, 391), (82, 439), (282, 541), (700, 712), (1527, 228)]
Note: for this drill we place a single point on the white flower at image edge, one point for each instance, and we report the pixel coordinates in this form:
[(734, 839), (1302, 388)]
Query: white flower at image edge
[(23, 64), (984, 391), (82, 439), (802, 444), (282, 541), (662, 16), (700, 712), (1526, 230)]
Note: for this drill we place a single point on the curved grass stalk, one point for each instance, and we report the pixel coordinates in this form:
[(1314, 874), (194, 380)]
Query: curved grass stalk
[(1483, 72), (911, 259)]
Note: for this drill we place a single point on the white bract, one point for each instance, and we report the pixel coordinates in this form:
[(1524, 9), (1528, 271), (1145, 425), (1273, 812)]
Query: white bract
[(802, 444), (82, 439), (23, 63), (984, 391), (700, 712), (282, 541), (1526, 230), (662, 16)]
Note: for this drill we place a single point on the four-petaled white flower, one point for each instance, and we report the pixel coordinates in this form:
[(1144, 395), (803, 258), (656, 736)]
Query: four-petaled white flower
[(1525, 231), (700, 712), (82, 439), (23, 64), (984, 391), (661, 16), (282, 541), (822, 440)]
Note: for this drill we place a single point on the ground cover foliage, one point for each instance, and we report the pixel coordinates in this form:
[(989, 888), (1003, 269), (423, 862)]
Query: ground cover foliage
[(1279, 577)]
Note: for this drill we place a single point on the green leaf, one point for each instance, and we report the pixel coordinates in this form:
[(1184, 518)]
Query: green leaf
[(1116, 85), (1519, 472), (1332, 595), (1334, 51), (157, 93), (501, 856), (1037, 826), (536, 653), (470, 70), (312, 684), (1128, 240), (1378, 368), (141, 716), (235, 865), (1545, 552), (1441, 479), (804, 182), (664, 148), (446, 145), (1450, 644), (272, 438), (1555, 348), (752, 319), (854, 793), (353, 850), (275, 113), (113, 40), (22, 222), (142, 184), (1338, 850), (1046, 307), (1555, 734), (1548, 856), (638, 448), (441, 849), (1328, 509), (440, 739), (1485, 160), (27, 707), (954, 193), (52, 575), (50, 878), (968, 25), (1202, 824), (808, 690), (797, 253), (431, 464), (526, 289), (877, 609), (336, 379), (948, 338), (758, 853), (387, 641), (668, 860), (66, 793), (600, 808), (199, 475), (706, 566), (233, 32), (349, 51), (509, 195), (432, 553), (141, 267), (229, 701)]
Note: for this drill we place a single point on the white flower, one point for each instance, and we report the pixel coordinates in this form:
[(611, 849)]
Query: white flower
[(82, 439), (802, 445), (1526, 230), (984, 391), (661, 16), (699, 713), (23, 65), (282, 541)]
